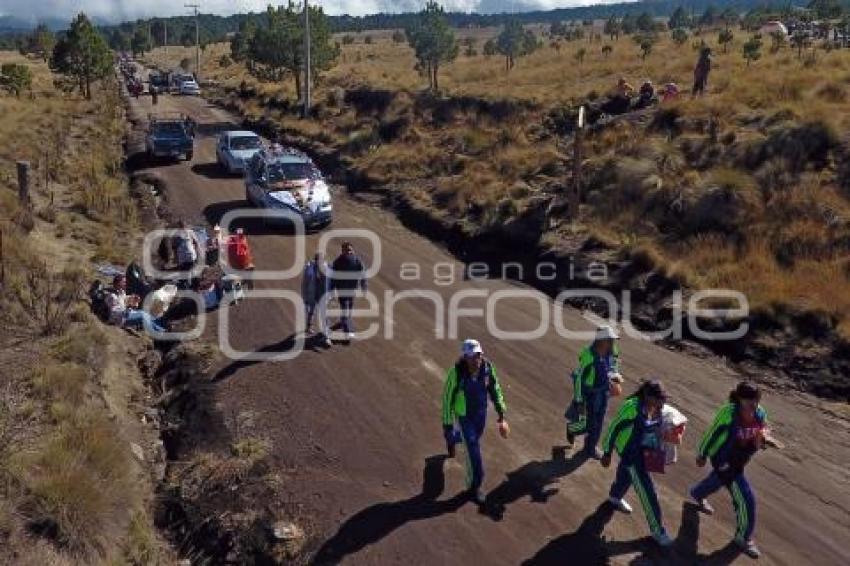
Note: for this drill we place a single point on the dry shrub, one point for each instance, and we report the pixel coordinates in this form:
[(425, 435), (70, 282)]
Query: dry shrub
[(727, 203), (142, 547), (833, 92), (76, 486), (63, 383), (44, 297)]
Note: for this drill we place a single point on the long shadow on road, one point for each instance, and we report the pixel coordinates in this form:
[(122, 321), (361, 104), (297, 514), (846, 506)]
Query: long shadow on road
[(253, 226), (284, 345), (587, 545), (533, 480), (376, 522)]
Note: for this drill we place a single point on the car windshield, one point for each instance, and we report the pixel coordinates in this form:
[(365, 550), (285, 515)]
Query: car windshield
[(171, 129), (244, 142), (292, 172)]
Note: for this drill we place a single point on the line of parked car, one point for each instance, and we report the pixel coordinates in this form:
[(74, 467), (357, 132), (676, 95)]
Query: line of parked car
[(276, 178), (173, 83)]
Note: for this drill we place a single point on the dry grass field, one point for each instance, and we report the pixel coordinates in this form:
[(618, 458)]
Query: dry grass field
[(743, 188), (70, 490)]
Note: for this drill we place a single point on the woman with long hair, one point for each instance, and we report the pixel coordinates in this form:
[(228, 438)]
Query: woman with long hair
[(739, 430), (636, 435)]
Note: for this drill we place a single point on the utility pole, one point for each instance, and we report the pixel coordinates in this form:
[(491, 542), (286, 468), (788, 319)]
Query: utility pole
[(165, 35), (308, 71), (197, 42)]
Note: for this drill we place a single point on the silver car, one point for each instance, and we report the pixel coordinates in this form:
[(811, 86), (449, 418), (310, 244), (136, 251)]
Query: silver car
[(236, 148)]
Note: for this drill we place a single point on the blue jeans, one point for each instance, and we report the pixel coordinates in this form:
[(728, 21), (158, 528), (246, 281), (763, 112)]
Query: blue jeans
[(472, 429), (142, 319), (632, 472), (345, 305), (742, 498)]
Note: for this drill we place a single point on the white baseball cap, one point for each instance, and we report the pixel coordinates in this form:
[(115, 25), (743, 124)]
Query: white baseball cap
[(471, 347), (606, 333)]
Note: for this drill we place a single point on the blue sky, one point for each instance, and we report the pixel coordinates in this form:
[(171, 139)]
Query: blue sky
[(121, 10)]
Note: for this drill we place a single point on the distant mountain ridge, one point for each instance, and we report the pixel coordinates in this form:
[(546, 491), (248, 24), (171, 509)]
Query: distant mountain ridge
[(489, 15)]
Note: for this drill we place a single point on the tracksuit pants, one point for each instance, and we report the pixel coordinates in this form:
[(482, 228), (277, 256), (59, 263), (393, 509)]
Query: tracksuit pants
[(472, 429), (742, 498), (596, 407), (632, 472)]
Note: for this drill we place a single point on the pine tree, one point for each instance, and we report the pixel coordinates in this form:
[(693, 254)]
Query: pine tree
[(433, 42), (82, 55)]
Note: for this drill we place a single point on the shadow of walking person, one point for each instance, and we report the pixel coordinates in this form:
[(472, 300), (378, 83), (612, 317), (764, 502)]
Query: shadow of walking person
[(284, 346), (684, 551), (584, 546), (534, 480), (376, 522)]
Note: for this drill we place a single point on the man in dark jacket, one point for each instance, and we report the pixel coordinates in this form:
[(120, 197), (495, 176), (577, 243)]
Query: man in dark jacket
[(347, 276)]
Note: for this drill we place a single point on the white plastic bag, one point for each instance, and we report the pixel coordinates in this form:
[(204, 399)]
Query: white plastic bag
[(671, 418)]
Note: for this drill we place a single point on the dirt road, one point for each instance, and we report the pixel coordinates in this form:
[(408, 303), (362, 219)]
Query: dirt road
[(357, 437)]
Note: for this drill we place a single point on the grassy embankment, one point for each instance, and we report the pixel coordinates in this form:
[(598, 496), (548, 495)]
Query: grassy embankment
[(758, 205), (71, 489)]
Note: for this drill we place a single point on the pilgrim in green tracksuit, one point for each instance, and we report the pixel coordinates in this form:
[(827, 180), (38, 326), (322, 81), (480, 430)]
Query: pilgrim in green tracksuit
[(635, 430), (591, 391), (734, 436), (465, 401)]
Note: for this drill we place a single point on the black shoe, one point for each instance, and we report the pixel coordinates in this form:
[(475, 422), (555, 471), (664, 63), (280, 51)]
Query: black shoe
[(571, 438)]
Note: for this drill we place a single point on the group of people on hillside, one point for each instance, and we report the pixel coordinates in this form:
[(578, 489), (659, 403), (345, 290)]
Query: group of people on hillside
[(642, 432), (625, 98)]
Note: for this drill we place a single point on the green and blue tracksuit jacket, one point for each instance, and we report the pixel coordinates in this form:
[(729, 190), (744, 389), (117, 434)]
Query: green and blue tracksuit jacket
[(586, 378), (624, 432), (464, 396), (719, 442)]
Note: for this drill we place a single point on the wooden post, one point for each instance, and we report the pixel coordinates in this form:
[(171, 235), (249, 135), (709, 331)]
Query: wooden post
[(24, 182), (575, 196)]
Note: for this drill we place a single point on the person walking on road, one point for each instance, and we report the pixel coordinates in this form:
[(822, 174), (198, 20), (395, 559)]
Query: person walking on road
[(314, 291), (598, 368), (636, 435), (347, 276), (739, 430), (468, 385)]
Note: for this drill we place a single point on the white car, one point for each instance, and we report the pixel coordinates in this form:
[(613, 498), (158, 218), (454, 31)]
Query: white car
[(190, 88), (235, 149)]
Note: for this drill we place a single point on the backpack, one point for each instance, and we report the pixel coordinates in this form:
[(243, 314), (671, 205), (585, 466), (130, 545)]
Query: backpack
[(98, 294)]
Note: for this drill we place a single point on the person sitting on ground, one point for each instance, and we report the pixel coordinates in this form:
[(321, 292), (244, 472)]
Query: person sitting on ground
[(620, 98), (186, 247), (125, 311), (646, 96), (669, 92), (210, 288)]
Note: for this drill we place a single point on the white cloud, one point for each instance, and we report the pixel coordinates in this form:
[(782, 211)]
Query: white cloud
[(122, 10)]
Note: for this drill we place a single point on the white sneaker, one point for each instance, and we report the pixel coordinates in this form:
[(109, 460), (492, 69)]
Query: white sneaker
[(350, 336), (663, 539), (620, 505)]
